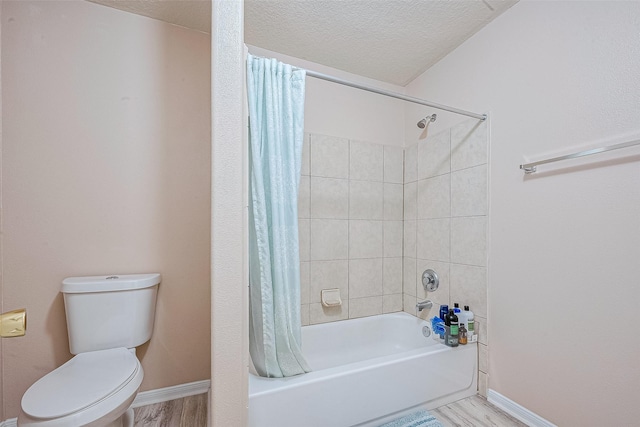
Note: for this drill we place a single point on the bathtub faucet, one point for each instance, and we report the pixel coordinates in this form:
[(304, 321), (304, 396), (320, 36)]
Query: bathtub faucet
[(424, 304)]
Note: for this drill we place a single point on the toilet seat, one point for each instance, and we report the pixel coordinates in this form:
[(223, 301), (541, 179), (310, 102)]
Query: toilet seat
[(87, 380)]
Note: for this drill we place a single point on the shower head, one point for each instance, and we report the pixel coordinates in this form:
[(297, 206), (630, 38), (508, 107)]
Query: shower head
[(423, 123)]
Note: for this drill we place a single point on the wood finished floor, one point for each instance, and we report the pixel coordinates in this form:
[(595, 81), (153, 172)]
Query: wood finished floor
[(474, 411), (191, 411), (187, 412)]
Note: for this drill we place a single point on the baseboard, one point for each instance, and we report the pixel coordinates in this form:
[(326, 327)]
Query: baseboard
[(517, 411), (170, 393), (152, 396)]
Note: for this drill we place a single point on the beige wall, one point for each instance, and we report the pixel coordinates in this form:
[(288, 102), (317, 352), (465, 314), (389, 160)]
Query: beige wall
[(564, 243), (341, 111), (105, 169), (1, 250), (229, 207)]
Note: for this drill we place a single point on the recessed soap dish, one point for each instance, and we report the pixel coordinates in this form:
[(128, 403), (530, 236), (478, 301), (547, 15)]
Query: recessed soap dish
[(330, 297)]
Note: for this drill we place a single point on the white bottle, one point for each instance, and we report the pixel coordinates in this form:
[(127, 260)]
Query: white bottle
[(469, 324), (462, 318)]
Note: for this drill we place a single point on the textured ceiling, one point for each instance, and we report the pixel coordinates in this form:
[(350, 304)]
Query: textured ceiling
[(388, 40)]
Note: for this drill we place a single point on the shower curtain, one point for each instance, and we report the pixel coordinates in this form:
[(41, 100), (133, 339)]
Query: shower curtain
[(276, 111)]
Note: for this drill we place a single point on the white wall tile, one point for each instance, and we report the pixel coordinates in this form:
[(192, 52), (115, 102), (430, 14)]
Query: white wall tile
[(469, 144), (392, 276), (306, 150), (411, 164), (366, 200), (304, 239), (409, 304), (410, 239), (483, 380), (469, 191), (483, 358), (392, 238), (409, 276), (320, 314), (393, 164), (361, 307), (365, 239), (393, 201), (469, 240), (434, 197), (365, 277), (328, 275), (329, 198), (304, 282), (434, 155), (366, 161), (329, 156), (391, 303), (468, 286), (304, 314), (410, 200), (304, 197), (432, 239), (329, 239), (480, 324)]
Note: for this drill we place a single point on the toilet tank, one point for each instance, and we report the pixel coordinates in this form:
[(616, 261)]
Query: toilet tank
[(106, 312)]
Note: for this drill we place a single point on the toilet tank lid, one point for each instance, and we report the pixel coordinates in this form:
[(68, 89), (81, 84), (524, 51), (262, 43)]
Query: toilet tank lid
[(120, 282)]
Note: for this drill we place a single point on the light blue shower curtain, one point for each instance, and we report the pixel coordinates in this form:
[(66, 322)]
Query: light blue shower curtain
[(276, 115)]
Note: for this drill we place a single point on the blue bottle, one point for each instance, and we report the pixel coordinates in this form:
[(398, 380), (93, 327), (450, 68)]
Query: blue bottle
[(444, 310)]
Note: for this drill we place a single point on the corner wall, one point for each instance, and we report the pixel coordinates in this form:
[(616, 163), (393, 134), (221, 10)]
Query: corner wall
[(1, 228), (557, 77), (105, 169), (229, 218), (445, 225)]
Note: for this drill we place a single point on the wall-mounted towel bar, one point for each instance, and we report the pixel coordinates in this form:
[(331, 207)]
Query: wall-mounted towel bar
[(531, 167)]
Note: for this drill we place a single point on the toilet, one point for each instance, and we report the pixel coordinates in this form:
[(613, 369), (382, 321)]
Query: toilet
[(107, 318)]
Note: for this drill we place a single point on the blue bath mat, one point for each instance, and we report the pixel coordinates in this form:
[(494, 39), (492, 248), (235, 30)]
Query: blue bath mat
[(417, 419)]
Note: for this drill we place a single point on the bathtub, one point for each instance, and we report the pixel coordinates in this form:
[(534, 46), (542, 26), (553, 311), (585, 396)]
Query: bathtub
[(366, 372)]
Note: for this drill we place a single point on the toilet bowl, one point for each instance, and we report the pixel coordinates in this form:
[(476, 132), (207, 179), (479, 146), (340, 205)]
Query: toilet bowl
[(92, 389), (107, 317)]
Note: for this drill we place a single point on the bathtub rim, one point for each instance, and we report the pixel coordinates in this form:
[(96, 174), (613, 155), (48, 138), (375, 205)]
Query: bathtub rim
[(262, 386)]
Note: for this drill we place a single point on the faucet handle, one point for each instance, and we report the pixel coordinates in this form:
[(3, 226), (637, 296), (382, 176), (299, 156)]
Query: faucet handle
[(430, 280)]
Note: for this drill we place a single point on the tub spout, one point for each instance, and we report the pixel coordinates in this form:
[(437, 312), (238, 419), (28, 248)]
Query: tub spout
[(424, 304)]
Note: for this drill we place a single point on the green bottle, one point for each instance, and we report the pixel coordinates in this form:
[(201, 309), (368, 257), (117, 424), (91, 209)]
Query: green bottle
[(452, 321)]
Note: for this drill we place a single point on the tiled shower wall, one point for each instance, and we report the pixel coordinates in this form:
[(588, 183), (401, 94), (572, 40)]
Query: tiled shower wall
[(445, 223), (351, 227)]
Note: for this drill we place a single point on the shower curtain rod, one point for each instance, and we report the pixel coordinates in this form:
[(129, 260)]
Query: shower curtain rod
[(395, 95)]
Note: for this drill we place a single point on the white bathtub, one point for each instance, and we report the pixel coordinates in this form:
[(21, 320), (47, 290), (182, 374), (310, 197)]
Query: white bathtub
[(365, 372)]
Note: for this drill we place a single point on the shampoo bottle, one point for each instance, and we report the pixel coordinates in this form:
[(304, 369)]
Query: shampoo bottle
[(452, 320), (470, 324), (462, 319)]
